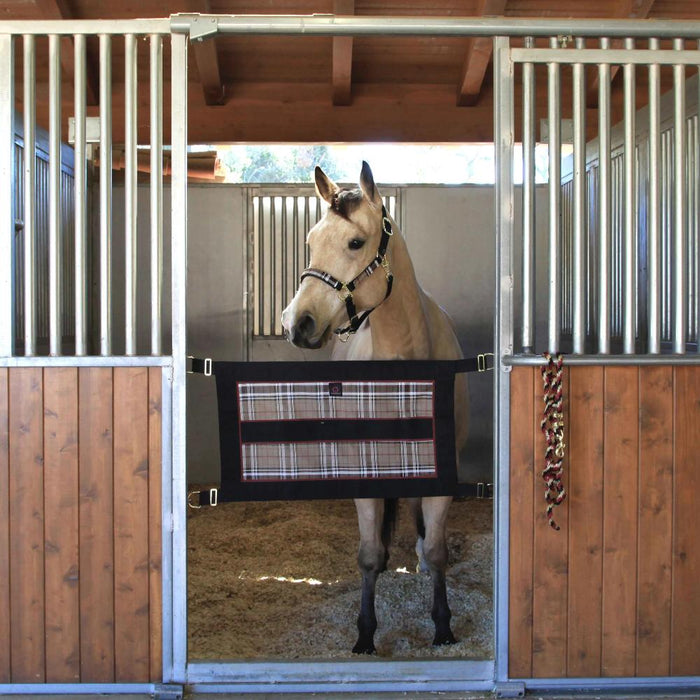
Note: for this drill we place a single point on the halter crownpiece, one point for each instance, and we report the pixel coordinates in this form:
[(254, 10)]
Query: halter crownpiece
[(345, 289)]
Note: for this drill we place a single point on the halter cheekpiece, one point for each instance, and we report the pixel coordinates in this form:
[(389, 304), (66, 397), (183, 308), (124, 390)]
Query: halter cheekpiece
[(345, 289)]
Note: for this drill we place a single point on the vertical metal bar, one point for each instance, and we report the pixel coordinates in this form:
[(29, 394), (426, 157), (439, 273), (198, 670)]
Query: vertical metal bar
[(604, 203), (696, 217), (55, 292), (274, 282), (528, 270), (156, 192), (7, 177), (260, 303), (130, 191), (654, 208), (630, 233), (680, 302), (79, 99), (284, 263), (503, 334), (579, 204), (179, 348), (29, 218), (553, 120), (105, 194)]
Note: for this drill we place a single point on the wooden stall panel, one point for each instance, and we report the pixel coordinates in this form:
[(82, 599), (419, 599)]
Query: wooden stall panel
[(4, 531), (26, 506), (96, 525), (61, 563)]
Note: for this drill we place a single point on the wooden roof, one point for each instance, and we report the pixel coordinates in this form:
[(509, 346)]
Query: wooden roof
[(325, 89)]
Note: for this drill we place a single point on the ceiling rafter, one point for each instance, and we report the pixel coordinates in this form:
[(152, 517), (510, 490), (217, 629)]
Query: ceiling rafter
[(342, 57), (624, 9), (477, 57), (58, 9), (206, 57)]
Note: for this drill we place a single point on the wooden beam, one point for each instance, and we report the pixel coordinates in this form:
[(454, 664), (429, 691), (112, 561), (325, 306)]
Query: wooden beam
[(58, 9), (630, 9), (342, 57), (206, 56), (477, 57)]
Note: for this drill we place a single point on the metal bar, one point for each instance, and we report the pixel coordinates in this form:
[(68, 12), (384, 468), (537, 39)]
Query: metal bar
[(579, 204), (680, 302), (178, 98), (654, 208), (630, 232), (260, 304), (105, 194), (503, 335), (273, 268), (529, 236), (596, 56), (604, 203), (55, 242), (89, 27), (553, 121), (80, 174), (130, 190), (591, 360), (156, 192), (29, 216), (7, 222), (331, 25), (696, 218), (284, 263)]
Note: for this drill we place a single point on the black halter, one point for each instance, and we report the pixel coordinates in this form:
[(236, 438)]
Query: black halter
[(345, 289)]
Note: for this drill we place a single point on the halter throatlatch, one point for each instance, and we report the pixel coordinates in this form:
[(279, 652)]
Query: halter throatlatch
[(345, 289)]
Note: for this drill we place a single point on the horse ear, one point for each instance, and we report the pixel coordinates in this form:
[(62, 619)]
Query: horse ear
[(325, 187), (367, 184)]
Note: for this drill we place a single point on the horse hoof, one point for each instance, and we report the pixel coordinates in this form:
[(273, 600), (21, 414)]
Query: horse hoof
[(364, 648), (444, 639)]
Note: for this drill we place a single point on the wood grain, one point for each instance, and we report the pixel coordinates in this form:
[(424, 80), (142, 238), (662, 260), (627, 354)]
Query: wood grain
[(4, 529)]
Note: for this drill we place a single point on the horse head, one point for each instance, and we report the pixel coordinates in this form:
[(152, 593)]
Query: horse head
[(338, 288)]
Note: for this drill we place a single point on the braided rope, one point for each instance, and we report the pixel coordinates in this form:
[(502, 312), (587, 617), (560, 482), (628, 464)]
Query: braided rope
[(552, 426)]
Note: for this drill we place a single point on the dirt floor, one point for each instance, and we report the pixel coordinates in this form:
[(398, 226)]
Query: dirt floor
[(279, 580)]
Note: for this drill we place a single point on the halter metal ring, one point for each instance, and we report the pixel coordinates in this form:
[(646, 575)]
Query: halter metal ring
[(344, 293)]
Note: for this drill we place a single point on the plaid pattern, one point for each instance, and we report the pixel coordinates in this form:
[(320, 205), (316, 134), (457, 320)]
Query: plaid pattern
[(338, 460), (266, 401)]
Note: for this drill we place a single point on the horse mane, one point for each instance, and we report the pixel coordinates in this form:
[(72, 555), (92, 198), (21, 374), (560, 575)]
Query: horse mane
[(346, 201)]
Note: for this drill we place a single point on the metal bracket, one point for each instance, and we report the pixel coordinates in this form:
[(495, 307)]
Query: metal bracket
[(203, 27), (484, 490), (168, 692), (213, 499), (510, 689)]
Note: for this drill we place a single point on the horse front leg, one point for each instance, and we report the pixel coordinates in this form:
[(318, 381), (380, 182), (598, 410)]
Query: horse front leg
[(435, 554), (371, 558)]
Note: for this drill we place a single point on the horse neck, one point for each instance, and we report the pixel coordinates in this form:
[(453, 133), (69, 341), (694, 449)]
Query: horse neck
[(399, 325)]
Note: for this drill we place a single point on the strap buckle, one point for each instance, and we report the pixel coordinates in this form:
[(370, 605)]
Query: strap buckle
[(482, 363), (344, 293), (213, 498)]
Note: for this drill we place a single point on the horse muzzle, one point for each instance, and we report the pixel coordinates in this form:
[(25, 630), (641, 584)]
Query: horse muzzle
[(304, 333)]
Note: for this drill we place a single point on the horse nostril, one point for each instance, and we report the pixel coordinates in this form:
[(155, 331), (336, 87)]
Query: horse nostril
[(305, 326)]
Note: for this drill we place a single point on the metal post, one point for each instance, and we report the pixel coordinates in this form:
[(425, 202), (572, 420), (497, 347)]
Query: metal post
[(156, 67), (528, 267), (604, 203), (503, 340), (29, 218), (105, 194), (553, 120), (81, 325), (579, 204), (654, 208), (630, 232), (55, 296), (7, 219), (130, 191), (179, 342), (680, 302)]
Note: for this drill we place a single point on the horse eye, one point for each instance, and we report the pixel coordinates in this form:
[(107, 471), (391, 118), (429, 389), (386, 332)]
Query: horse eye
[(355, 244)]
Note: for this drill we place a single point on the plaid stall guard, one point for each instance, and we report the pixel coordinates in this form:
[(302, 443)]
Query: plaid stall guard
[(336, 429)]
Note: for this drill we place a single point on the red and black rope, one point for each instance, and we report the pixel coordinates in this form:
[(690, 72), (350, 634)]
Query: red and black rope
[(552, 426)]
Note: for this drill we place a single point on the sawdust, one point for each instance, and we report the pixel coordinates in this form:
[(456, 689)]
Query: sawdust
[(279, 580)]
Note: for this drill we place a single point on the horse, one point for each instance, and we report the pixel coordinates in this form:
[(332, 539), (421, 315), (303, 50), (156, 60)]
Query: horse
[(354, 239)]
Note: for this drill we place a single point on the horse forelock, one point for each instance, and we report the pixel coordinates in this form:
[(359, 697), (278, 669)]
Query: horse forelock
[(346, 201)]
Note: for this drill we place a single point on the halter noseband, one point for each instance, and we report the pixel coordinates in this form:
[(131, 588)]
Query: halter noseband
[(345, 289)]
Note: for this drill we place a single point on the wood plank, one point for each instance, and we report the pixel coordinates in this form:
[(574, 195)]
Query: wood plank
[(685, 605), (26, 428), (550, 556), (342, 57), (4, 530), (522, 382), (655, 521), (131, 597), (620, 481), (585, 451), (96, 525), (61, 563), (155, 505)]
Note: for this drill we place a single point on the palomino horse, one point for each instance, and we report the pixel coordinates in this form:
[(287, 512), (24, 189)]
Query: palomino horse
[(354, 240)]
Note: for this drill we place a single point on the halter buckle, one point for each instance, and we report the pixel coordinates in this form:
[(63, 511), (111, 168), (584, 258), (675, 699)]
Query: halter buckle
[(386, 267), (344, 293), (386, 226)]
